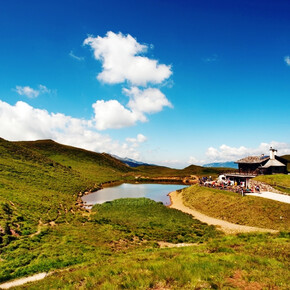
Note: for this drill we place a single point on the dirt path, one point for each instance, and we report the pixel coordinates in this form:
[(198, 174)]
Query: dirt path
[(271, 195), (22, 281), (227, 227), (171, 245)]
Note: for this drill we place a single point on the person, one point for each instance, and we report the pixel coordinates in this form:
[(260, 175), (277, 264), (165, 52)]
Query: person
[(242, 192), (257, 188)]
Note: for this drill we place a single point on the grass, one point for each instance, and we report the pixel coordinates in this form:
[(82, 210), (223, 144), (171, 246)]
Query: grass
[(239, 262), (99, 167), (278, 181), (117, 226), (145, 219), (232, 207)]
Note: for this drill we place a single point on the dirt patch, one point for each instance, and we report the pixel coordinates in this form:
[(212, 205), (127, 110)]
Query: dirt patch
[(239, 282), (171, 245)]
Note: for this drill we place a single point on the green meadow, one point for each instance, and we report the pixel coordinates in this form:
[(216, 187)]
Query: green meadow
[(43, 228)]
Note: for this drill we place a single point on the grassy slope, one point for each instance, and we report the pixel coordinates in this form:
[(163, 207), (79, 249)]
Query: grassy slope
[(233, 262), (34, 187), (90, 165), (248, 210), (279, 181)]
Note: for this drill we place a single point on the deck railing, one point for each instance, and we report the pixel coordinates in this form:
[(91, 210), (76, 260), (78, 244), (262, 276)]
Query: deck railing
[(241, 173)]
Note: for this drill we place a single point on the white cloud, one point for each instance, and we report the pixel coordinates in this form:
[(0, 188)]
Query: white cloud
[(227, 153), (287, 59), (23, 122), (122, 61), (137, 141), (149, 100), (79, 58), (30, 92), (111, 114), (193, 160)]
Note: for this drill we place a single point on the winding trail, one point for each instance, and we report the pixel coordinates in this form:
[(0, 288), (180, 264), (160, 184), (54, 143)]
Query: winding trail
[(227, 227), (22, 281)]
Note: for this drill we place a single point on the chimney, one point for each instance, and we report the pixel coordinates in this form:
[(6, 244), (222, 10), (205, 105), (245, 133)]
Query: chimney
[(272, 153)]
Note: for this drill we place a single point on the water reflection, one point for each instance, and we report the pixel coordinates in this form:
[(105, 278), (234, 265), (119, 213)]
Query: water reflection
[(157, 192)]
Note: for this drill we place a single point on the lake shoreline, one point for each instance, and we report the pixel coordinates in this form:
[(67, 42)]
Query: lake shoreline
[(158, 192)]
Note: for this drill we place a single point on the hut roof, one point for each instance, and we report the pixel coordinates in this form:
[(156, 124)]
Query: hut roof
[(253, 159), (273, 162)]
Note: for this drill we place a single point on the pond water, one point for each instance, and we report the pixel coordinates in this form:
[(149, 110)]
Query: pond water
[(157, 192)]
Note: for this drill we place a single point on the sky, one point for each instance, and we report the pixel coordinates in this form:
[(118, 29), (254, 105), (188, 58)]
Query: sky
[(169, 82)]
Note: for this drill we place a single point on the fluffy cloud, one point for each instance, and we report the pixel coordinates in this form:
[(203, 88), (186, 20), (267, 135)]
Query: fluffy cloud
[(113, 115), (227, 153), (149, 101), (193, 160), (23, 122), (137, 141), (121, 60), (30, 92), (287, 59)]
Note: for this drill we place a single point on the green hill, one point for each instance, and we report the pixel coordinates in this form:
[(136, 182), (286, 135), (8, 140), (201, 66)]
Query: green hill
[(34, 187), (99, 167), (43, 228)]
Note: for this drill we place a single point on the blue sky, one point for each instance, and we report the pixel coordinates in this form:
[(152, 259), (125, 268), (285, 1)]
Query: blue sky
[(215, 84)]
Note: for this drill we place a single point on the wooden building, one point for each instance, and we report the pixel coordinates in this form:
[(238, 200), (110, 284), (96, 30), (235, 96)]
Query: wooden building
[(252, 166)]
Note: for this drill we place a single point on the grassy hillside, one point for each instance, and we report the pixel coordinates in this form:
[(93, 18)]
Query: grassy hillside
[(234, 262), (229, 206), (40, 182), (99, 167), (279, 181), (32, 188)]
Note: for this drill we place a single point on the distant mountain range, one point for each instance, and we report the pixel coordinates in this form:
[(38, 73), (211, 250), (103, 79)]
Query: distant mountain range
[(228, 164), (131, 162)]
